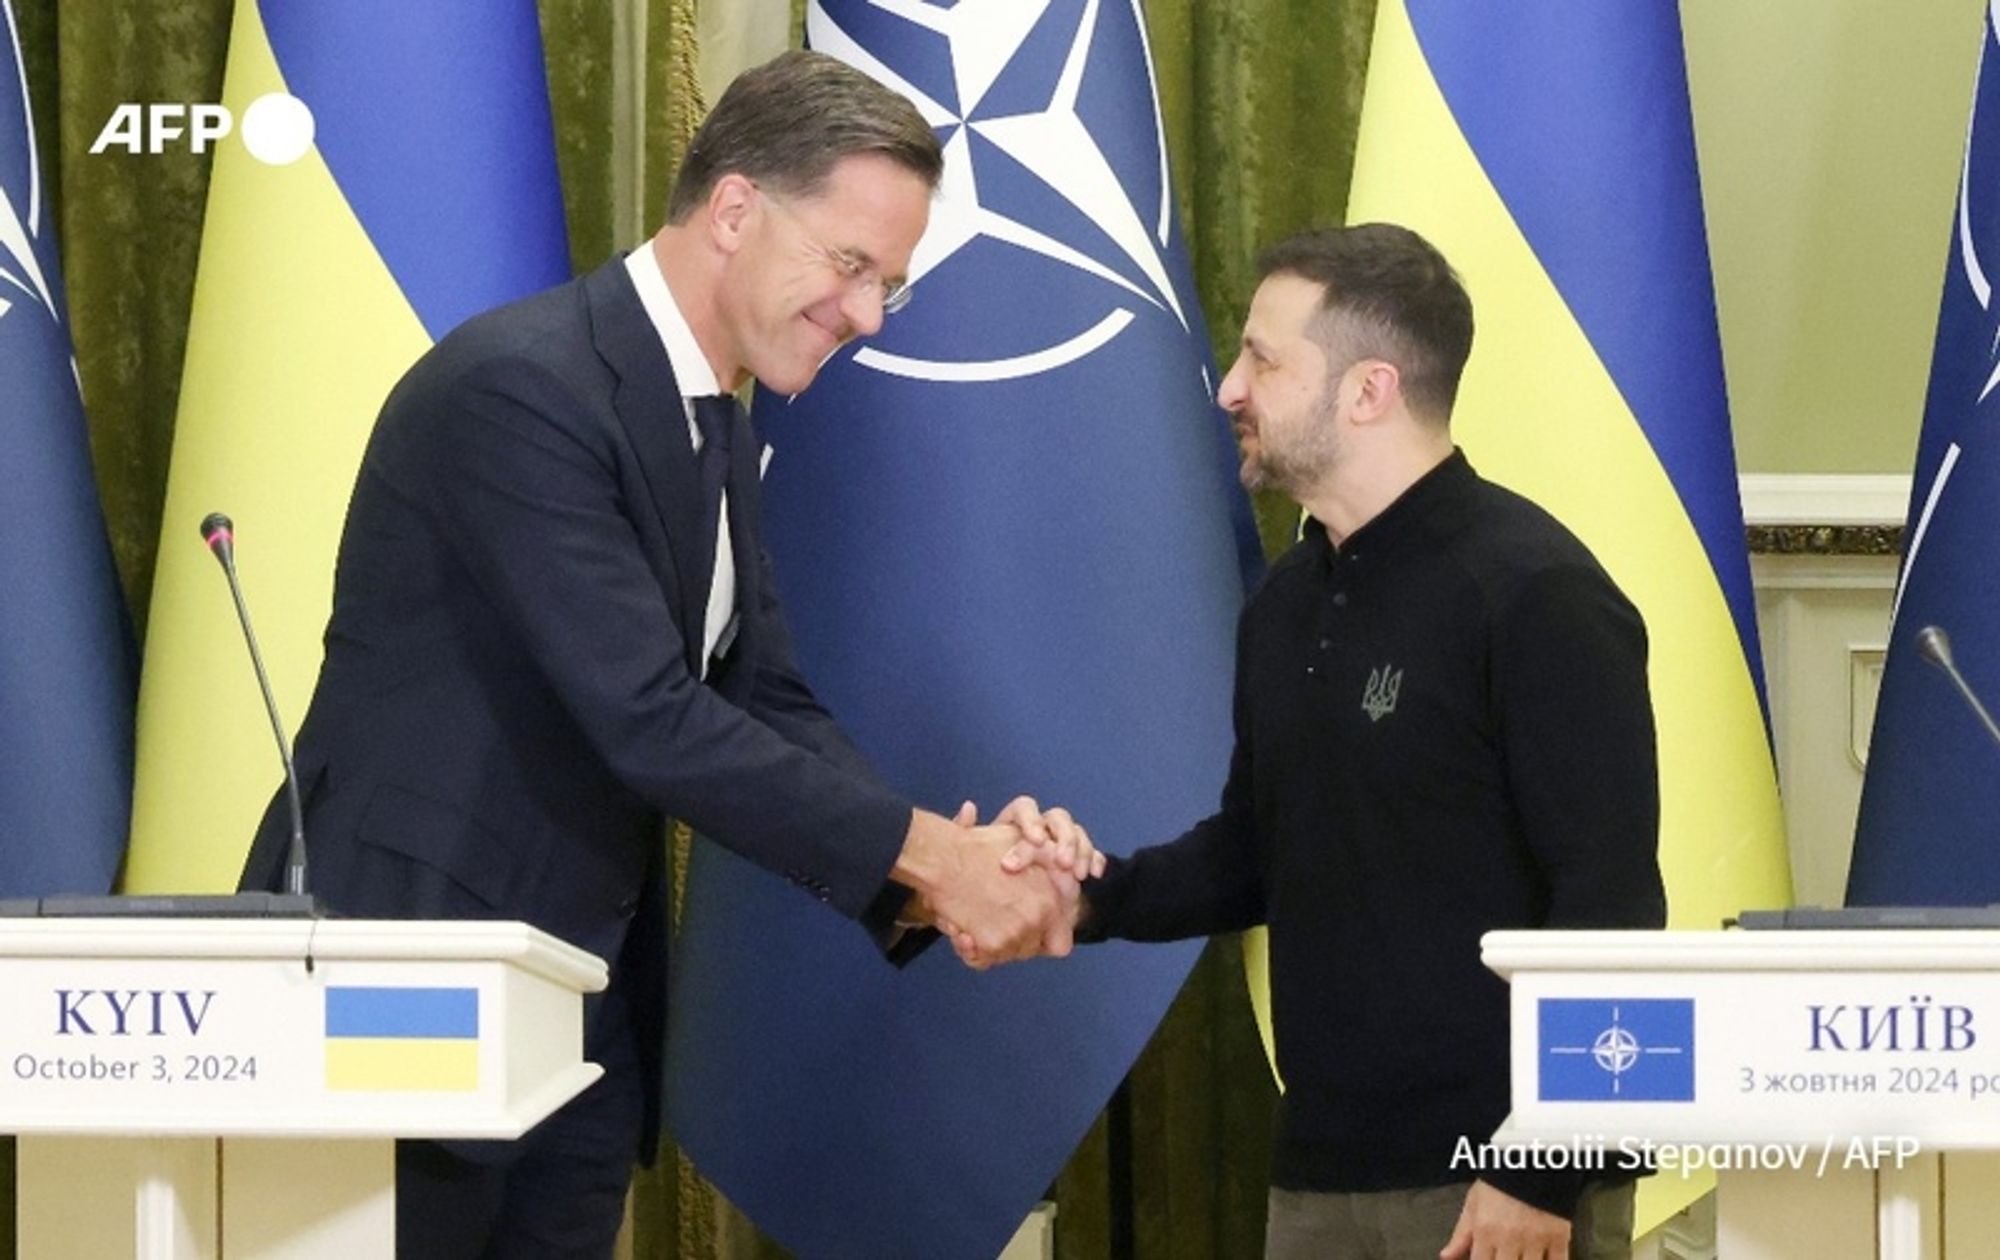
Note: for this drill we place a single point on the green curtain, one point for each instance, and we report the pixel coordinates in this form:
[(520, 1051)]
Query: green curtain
[(1260, 98)]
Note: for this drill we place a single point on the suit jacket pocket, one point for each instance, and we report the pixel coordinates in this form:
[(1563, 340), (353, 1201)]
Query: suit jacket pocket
[(430, 859)]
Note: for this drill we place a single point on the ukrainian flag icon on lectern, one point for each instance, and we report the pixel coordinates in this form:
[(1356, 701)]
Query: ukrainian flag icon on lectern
[(380, 1039), (1617, 1049)]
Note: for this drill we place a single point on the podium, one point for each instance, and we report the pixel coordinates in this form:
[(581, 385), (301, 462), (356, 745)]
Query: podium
[(211, 1089), (1843, 1085)]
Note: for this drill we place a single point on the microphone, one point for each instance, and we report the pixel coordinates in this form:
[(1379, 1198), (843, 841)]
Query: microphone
[(1935, 646), (219, 533)]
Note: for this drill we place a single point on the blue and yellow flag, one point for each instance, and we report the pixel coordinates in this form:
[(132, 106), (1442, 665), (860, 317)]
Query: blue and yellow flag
[(1929, 801), (1012, 546), (65, 651), (381, 1039), (426, 193), (1548, 151)]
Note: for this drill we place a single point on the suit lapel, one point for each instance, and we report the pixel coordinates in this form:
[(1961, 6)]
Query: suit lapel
[(648, 403)]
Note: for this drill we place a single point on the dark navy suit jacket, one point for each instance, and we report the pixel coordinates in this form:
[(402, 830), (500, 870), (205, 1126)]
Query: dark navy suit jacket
[(511, 700)]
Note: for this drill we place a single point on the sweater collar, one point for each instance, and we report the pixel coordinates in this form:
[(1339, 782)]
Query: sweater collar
[(1409, 515)]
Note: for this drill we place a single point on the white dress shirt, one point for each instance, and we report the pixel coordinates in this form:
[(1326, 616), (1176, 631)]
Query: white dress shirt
[(696, 379)]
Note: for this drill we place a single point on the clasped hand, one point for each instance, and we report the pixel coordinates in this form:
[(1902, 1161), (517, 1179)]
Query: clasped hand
[(1013, 890)]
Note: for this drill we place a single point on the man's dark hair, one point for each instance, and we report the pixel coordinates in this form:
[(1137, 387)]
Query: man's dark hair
[(1389, 295), (786, 123)]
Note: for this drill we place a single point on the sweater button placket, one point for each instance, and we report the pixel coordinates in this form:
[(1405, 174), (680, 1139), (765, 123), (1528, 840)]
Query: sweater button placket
[(1323, 641)]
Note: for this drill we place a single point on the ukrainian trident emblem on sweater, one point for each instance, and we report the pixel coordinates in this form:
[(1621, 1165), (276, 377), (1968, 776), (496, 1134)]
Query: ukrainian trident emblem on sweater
[(1378, 698)]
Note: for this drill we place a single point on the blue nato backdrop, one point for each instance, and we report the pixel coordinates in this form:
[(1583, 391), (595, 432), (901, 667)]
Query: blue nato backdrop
[(67, 676), (1925, 835), (1012, 544)]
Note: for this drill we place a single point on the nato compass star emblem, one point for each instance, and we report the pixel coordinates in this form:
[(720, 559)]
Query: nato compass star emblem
[(21, 199), (1967, 227), (1054, 157), (1617, 1050), (1972, 227)]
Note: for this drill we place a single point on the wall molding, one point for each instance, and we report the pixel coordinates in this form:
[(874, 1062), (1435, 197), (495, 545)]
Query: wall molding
[(1821, 571), (1856, 499)]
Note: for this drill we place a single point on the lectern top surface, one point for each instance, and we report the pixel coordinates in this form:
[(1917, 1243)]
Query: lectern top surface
[(1869, 950), (329, 939)]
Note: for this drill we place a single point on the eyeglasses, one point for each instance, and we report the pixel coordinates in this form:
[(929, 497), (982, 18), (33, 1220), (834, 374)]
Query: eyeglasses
[(859, 275)]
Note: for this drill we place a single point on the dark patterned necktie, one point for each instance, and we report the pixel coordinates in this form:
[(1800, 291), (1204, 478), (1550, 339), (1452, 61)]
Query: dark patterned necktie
[(714, 416)]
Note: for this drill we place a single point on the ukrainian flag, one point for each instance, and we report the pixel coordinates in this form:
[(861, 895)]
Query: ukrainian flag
[(402, 1039), (427, 194), (1548, 151)]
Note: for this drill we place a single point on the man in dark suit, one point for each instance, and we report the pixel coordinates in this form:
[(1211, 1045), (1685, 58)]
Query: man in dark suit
[(553, 627)]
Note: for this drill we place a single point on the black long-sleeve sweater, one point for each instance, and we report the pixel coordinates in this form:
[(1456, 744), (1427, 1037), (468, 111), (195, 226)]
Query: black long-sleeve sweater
[(1443, 727)]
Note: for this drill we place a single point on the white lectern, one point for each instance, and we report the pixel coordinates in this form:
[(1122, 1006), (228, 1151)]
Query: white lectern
[(222, 1089), (1844, 1085)]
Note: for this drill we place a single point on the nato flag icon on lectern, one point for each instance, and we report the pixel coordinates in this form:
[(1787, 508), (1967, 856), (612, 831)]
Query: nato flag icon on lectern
[(1617, 1049)]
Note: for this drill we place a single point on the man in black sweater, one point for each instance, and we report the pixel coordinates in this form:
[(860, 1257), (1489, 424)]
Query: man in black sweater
[(1442, 728)]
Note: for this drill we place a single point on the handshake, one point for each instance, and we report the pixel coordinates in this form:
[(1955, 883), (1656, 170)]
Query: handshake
[(1005, 891)]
